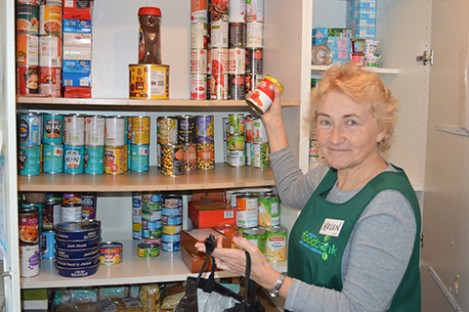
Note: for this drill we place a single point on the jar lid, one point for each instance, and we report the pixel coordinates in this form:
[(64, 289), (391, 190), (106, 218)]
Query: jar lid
[(149, 11)]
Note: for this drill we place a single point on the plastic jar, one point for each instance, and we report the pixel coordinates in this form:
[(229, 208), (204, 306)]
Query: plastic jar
[(149, 50)]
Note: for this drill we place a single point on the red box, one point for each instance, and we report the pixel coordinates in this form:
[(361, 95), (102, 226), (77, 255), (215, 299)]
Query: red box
[(77, 92), (77, 9), (206, 214)]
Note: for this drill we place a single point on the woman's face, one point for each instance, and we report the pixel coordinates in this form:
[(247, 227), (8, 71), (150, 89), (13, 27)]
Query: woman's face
[(346, 132)]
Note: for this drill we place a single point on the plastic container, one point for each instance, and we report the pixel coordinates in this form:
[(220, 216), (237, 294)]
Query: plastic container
[(149, 50)]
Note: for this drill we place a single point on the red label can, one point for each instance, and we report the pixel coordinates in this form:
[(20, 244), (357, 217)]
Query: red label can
[(263, 96)]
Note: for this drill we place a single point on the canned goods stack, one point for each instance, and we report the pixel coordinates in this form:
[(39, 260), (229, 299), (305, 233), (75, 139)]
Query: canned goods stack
[(94, 144), (235, 143), (171, 217), (260, 145), (150, 216), (74, 144), (186, 137), (237, 49), (254, 43), (139, 143), (199, 50), (52, 139), (27, 47), (137, 203), (30, 148), (115, 148), (28, 226)]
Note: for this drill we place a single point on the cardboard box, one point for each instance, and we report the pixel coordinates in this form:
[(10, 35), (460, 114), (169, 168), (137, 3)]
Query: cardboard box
[(208, 214), (190, 237), (194, 262), (77, 9), (218, 195)]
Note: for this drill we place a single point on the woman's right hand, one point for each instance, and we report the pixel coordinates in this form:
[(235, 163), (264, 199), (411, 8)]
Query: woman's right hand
[(274, 114)]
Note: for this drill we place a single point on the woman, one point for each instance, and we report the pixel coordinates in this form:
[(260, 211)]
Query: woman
[(355, 245)]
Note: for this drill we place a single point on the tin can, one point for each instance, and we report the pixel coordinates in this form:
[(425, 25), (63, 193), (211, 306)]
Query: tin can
[(260, 155), (199, 11), (198, 86), (146, 250), (47, 244), (140, 130), (27, 19), (27, 80), (70, 212), (236, 143), (190, 156), (74, 130), (171, 246), (263, 96), (248, 125), (152, 197), (30, 259), (29, 129), (115, 131), (219, 87), (269, 210), (254, 10), (186, 129), (94, 159), (237, 84), (151, 224), (136, 199), (256, 236), (53, 125), (51, 213), (110, 253), (237, 158), (219, 34), (237, 35), (276, 244), (95, 130), (237, 11), (236, 61), (171, 211), (74, 159), (254, 35), (198, 61), (71, 198), (53, 159), (139, 155), (50, 20), (259, 131), (151, 215), (167, 130), (89, 203), (204, 128), (248, 153), (254, 60), (172, 229), (28, 223), (115, 159), (29, 160), (149, 81), (199, 35), (247, 211), (169, 221), (205, 156), (27, 50), (171, 201), (151, 233), (50, 52), (236, 124), (172, 156)]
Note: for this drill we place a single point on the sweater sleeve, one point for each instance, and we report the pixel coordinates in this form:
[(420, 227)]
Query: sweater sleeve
[(373, 263)]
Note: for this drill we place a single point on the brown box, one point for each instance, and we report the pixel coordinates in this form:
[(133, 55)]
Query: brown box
[(194, 262), (218, 195), (190, 237)]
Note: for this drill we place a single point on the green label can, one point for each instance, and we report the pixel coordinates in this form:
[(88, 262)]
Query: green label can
[(269, 210), (256, 236)]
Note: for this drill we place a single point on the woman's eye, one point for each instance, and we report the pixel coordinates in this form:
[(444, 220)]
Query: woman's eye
[(323, 122), (352, 122)]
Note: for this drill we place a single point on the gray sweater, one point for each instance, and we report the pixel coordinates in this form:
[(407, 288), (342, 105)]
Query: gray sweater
[(376, 256)]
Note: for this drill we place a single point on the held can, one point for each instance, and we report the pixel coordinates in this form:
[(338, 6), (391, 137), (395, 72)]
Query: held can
[(260, 100)]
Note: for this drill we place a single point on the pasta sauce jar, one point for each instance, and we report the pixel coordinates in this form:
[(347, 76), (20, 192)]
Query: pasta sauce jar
[(262, 97)]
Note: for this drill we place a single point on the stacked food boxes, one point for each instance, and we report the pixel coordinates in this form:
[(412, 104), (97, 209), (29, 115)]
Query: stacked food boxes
[(362, 18)]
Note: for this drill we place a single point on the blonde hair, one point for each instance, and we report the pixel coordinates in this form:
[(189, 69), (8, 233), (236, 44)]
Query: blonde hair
[(363, 87)]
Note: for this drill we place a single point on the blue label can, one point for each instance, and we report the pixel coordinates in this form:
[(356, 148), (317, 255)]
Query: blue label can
[(47, 244), (139, 157), (94, 159), (74, 159), (29, 160), (53, 125), (53, 158), (29, 129)]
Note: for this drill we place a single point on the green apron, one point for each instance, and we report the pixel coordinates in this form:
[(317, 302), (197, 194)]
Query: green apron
[(316, 250)]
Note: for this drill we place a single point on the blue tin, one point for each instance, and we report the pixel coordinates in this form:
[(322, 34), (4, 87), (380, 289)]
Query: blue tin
[(53, 158), (47, 244), (77, 262), (139, 157), (171, 212), (29, 160), (65, 253), (74, 159), (77, 272), (84, 230), (136, 199), (53, 127), (171, 246), (170, 238), (173, 220), (94, 159), (151, 225), (29, 129)]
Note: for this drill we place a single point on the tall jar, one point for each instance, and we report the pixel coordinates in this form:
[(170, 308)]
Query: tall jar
[(149, 50)]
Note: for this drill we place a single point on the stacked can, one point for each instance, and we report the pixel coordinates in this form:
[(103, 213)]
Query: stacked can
[(27, 47), (249, 135), (30, 148), (115, 145), (260, 146), (151, 216), (219, 29), (169, 152), (237, 49), (74, 144), (236, 156), (254, 43), (94, 144), (28, 226), (205, 130), (139, 143), (137, 215), (171, 219), (52, 139), (186, 137), (199, 49), (50, 47)]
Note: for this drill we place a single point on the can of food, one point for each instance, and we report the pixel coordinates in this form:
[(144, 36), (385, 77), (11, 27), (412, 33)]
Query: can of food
[(95, 130), (27, 19), (260, 155), (140, 130), (53, 158), (248, 153), (151, 215), (27, 80), (110, 252), (71, 198), (237, 35), (247, 211), (236, 124), (89, 203), (115, 131), (28, 223), (94, 159), (171, 229), (74, 130), (248, 125), (204, 128), (190, 156), (276, 243), (259, 131), (263, 96), (139, 157), (29, 129), (149, 81), (167, 130), (171, 221), (53, 125), (237, 11), (199, 11), (254, 35), (74, 159), (171, 246), (151, 197), (198, 86), (256, 236), (147, 250), (269, 210), (219, 34), (29, 160), (199, 36), (171, 201), (171, 211), (198, 61), (236, 143), (236, 61), (27, 50), (255, 11), (51, 213), (29, 260), (47, 244), (151, 225), (254, 60), (50, 21), (237, 158), (151, 233), (70, 212), (186, 129), (252, 80), (205, 156), (50, 51), (172, 156), (115, 159), (236, 84)]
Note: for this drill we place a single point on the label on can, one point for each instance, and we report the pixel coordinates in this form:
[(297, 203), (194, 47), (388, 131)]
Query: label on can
[(29, 260), (198, 60), (146, 250), (140, 130), (95, 130), (247, 211), (50, 51), (237, 84), (139, 155), (260, 155), (205, 156), (74, 159), (94, 159), (53, 159), (167, 130), (53, 125), (27, 50), (236, 124), (70, 212), (27, 80), (262, 97), (50, 21), (254, 35), (29, 129), (115, 131), (88, 209), (28, 224), (27, 19), (199, 35), (190, 156), (236, 61), (204, 128), (254, 10), (276, 244), (256, 236), (237, 35), (47, 244), (29, 160), (149, 81), (186, 129), (269, 210), (198, 86), (172, 156), (254, 60), (219, 34), (110, 253), (115, 159), (74, 130)]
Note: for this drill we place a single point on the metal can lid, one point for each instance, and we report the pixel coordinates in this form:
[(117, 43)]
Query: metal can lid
[(110, 245)]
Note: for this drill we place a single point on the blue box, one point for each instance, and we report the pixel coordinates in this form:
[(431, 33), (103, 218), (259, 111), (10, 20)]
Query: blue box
[(76, 26), (76, 80), (76, 66)]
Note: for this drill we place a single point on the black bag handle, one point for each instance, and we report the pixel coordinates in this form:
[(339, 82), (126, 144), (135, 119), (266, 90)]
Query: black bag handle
[(209, 248)]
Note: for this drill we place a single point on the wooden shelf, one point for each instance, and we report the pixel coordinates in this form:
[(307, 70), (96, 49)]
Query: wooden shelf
[(379, 70), (222, 176)]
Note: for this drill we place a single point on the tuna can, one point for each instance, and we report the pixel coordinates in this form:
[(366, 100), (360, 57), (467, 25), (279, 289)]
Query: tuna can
[(204, 128), (74, 159), (27, 19), (70, 212), (29, 129), (110, 252), (219, 34), (152, 197), (237, 84), (88, 209), (237, 35), (171, 220), (115, 159), (255, 11), (53, 125), (151, 215), (171, 201), (254, 35), (167, 130), (259, 131), (198, 61), (149, 81), (74, 130), (205, 156), (254, 60), (276, 243), (171, 246), (27, 80), (151, 225), (94, 159), (236, 124), (140, 130), (263, 96), (172, 156), (139, 157), (95, 130), (136, 199), (51, 213), (247, 211), (236, 61), (186, 129), (199, 86), (256, 236), (53, 158), (171, 229), (47, 244), (50, 52), (27, 55), (190, 156), (151, 233), (30, 259), (147, 250), (29, 160), (199, 36), (115, 131), (171, 211), (260, 155), (28, 223), (269, 210), (50, 21)]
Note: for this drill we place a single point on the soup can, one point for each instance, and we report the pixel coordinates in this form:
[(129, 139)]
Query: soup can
[(30, 259), (29, 160), (172, 159), (260, 100), (27, 18), (74, 159), (115, 131), (94, 159), (53, 158), (94, 130), (53, 125), (27, 51), (29, 129), (139, 157), (74, 130), (28, 223), (50, 21)]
